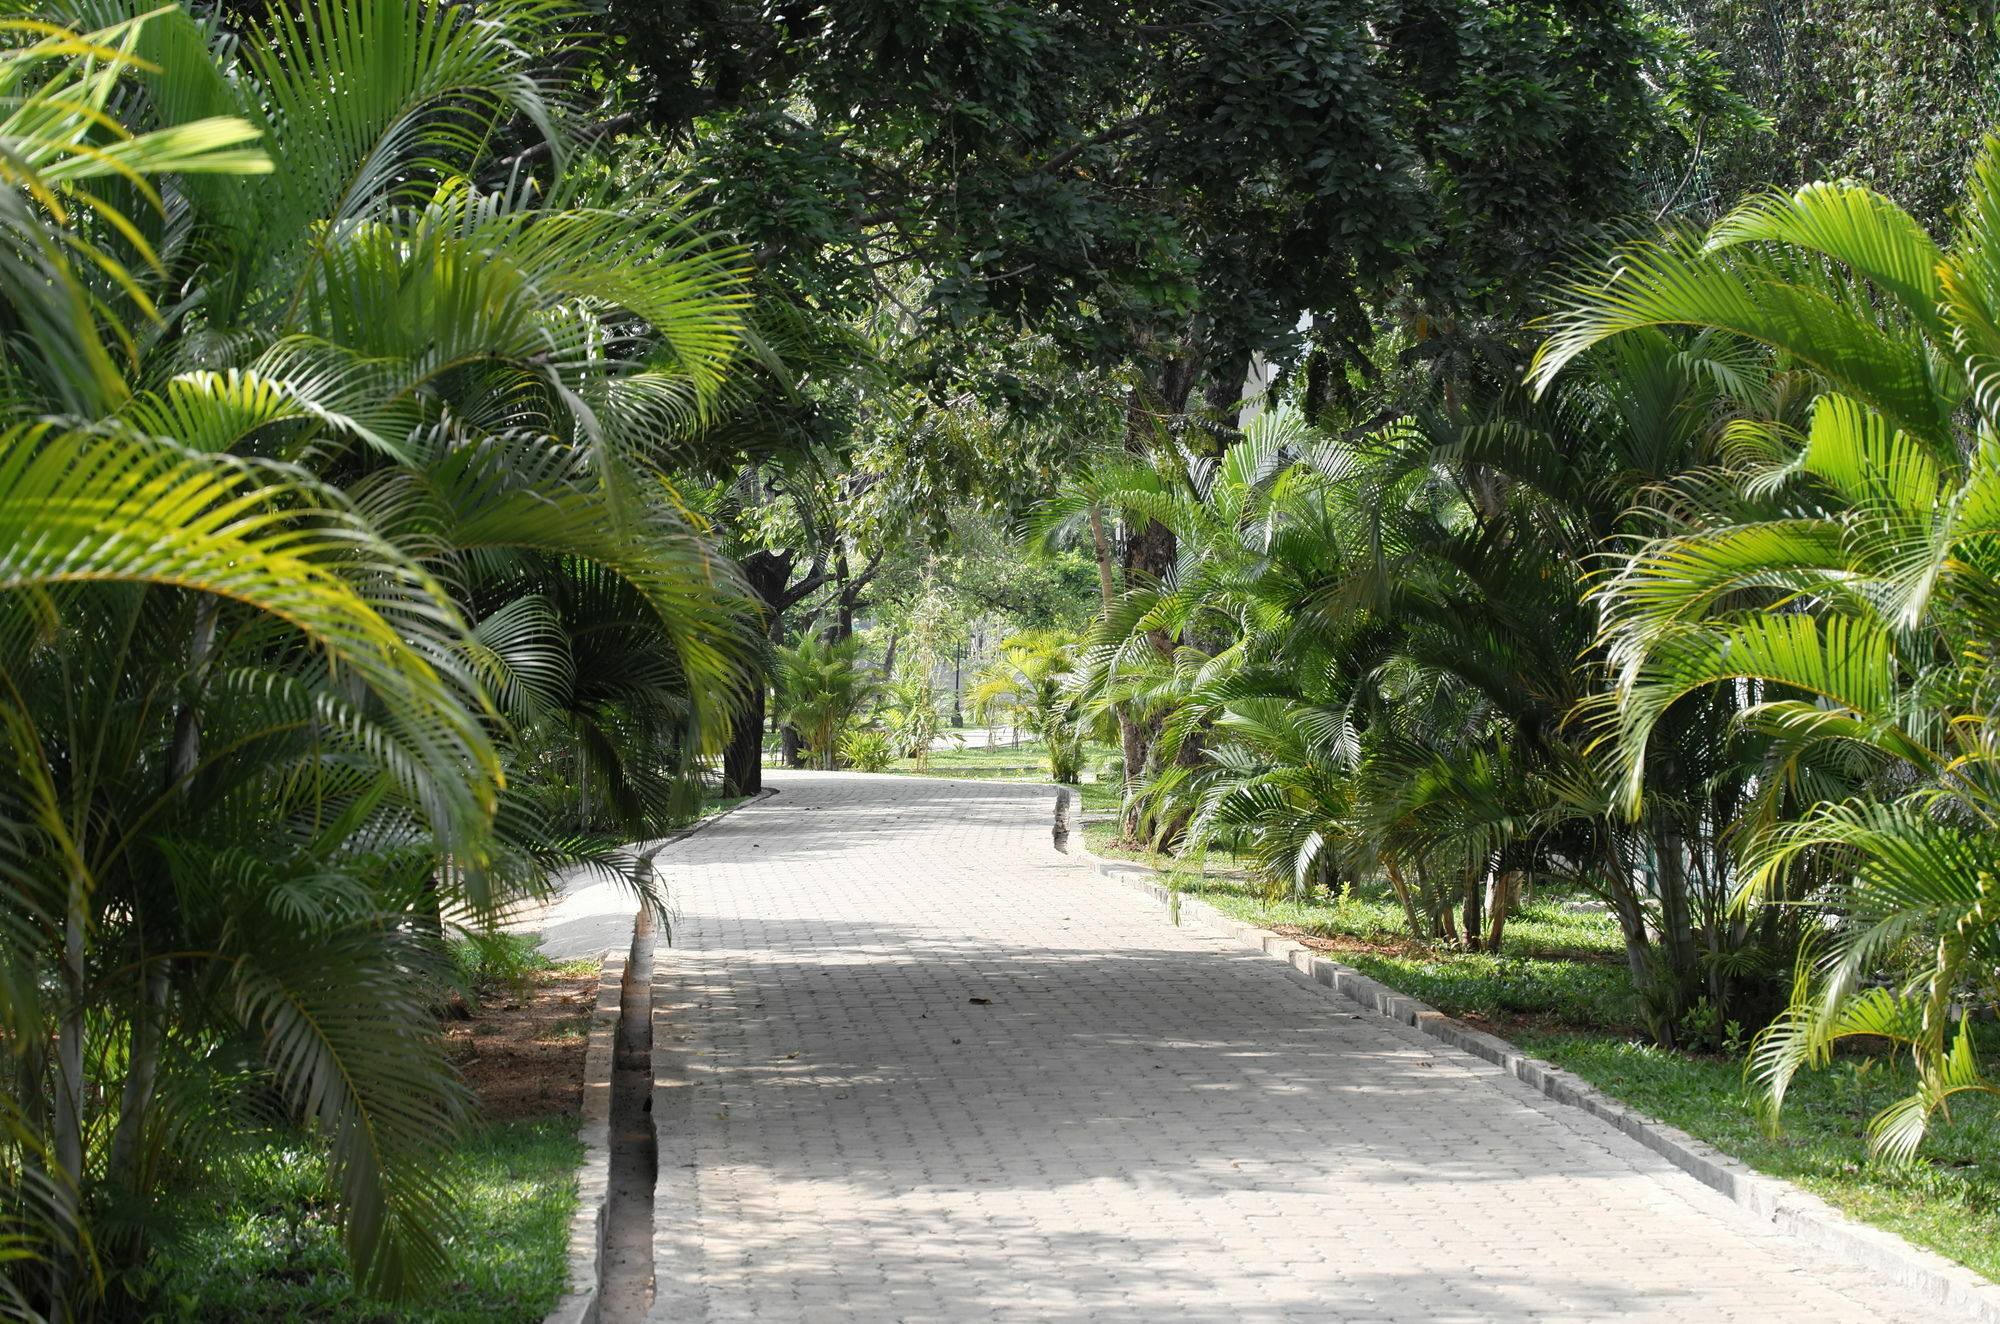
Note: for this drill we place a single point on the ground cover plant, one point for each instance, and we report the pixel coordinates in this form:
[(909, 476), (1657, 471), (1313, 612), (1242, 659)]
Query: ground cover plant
[(271, 1251), (256, 1238)]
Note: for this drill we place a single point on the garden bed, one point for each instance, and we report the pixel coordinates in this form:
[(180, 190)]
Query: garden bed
[(263, 1247)]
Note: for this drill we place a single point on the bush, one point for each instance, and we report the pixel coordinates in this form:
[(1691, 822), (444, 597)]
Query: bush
[(867, 751)]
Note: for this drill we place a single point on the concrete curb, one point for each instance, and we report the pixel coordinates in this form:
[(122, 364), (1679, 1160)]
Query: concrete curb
[(1791, 1209), (578, 1305)]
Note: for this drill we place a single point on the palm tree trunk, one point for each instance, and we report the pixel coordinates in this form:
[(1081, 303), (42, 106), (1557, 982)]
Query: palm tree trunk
[(1499, 895), (66, 1198), (135, 1100), (1472, 886), (1419, 930), (1102, 546)]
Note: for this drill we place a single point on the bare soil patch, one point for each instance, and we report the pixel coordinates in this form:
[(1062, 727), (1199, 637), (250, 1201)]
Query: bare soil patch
[(1321, 942), (521, 1049)]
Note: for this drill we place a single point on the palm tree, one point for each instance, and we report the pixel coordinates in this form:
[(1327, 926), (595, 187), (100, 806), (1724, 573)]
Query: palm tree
[(1031, 681), (73, 179), (335, 577), (821, 686), (1378, 643), (1839, 574)]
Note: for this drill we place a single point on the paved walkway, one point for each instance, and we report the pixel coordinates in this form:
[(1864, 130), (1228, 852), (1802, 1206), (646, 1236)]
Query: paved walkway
[(916, 1065)]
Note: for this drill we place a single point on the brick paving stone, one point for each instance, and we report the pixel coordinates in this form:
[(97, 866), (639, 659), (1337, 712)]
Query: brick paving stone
[(914, 1064)]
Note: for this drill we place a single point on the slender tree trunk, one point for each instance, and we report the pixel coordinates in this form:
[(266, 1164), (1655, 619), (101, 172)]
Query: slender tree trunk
[(1446, 929), (1419, 929), (1102, 545), (66, 1197), (769, 576), (843, 602), (1499, 895), (1151, 549), (148, 1031), (1676, 929), (1473, 921), (135, 1099)]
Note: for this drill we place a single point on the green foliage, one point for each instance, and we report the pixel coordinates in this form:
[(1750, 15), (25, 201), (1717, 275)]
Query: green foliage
[(1102, 171), (1030, 684), (1894, 93), (1840, 570), (867, 750), (821, 688), (259, 1242), (487, 963), (914, 712), (337, 588)]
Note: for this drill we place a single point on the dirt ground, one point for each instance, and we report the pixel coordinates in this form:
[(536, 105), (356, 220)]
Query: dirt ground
[(521, 1049)]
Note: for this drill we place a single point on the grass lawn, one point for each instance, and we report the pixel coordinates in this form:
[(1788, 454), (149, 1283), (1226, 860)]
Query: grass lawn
[(253, 1239), (1025, 762), (1561, 991), (272, 1253)]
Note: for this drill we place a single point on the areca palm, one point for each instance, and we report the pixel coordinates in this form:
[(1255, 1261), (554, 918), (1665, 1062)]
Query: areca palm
[(73, 181), (1842, 576), (1375, 645), (821, 686), (372, 513), (316, 684), (1031, 679)]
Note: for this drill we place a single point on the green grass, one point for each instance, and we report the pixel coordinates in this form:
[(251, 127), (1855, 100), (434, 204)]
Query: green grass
[(1947, 1200), (268, 1251), (1101, 796), (1553, 964)]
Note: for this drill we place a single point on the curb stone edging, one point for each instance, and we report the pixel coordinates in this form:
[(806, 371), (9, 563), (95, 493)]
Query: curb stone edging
[(579, 1302), (1936, 1280), (585, 1279)]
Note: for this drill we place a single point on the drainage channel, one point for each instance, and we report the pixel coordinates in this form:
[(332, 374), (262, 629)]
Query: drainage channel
[(627, 1283)]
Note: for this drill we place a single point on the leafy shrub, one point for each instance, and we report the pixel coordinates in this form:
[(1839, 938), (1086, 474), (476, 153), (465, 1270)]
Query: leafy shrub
[(867, 750)]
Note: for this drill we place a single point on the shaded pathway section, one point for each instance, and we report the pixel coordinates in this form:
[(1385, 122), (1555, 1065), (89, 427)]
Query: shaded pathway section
[(913, 1064)]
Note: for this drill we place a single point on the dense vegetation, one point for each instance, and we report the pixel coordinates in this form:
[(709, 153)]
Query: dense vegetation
[(344, 594), (442, 443), (1694, 619)]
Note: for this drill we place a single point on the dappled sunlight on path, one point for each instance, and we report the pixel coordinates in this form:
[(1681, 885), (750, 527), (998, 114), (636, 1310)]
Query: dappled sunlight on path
[(916, 1064)]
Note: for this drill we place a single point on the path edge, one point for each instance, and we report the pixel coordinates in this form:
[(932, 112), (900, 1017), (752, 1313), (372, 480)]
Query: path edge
[(579, 1302), (1791, 1209), (584, 1279)]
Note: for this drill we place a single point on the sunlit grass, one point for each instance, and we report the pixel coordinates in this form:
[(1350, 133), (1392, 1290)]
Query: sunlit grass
[(264, 1247)]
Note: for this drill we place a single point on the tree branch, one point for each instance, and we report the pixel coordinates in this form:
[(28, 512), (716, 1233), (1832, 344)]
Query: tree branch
[(1122, 129)]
